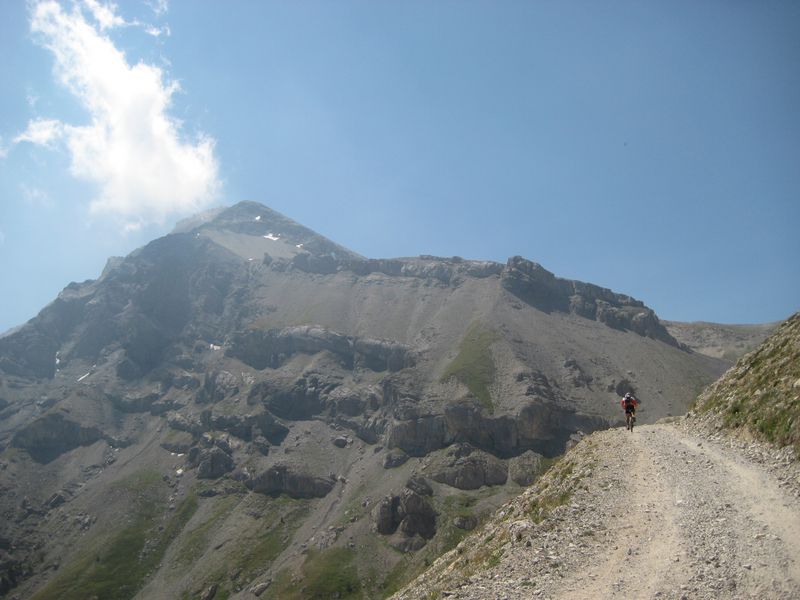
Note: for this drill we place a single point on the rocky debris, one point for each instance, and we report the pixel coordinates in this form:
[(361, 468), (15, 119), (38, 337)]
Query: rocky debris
[(394, 458), (282, 479), (52, 435), (341, 441), (409, 512), (466, 468), (525, 468), (213, 463)]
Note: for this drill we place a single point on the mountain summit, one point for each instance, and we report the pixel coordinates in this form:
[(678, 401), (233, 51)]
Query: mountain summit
[(265, 405)]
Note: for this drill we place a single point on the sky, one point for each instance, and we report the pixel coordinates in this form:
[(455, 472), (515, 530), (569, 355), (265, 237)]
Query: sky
[(649, 147)]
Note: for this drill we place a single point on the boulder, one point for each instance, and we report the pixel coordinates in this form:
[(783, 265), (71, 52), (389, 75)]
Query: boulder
[(465, 522), (420, 486), (394, 458)]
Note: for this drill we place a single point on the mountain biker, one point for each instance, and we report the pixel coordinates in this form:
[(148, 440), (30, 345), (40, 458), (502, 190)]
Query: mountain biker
[(629, 404)]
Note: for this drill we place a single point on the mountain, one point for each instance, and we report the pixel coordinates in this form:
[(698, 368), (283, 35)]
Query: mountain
[(245, 408)]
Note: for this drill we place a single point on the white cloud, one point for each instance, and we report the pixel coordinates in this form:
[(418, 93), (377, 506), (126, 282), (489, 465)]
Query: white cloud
[(132, 148), (2, 237), (104, 14), (42, 132), (159, 7)]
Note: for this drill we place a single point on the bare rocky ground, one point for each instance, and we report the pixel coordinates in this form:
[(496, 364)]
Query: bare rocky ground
[(678, 510)]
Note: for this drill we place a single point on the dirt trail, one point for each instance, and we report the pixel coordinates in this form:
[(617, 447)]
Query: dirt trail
[(662, 514)]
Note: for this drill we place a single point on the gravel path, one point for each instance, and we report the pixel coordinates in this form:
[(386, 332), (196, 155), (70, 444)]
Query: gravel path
[(657, 513)]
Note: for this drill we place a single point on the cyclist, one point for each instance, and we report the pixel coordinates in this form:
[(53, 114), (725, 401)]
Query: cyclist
[(629, 404)]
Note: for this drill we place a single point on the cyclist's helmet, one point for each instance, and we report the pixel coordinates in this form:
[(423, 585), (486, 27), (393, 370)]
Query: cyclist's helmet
[(628, 395)]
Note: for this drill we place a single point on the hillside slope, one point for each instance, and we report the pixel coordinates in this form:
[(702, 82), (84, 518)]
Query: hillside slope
[(659, 513), (695, 508), (762, 392)]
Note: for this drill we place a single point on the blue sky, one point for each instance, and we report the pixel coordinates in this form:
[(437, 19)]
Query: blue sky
[(649, 147)]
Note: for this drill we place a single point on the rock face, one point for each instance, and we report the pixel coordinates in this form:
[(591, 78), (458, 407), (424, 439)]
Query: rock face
[(466, 468), (543, 427), (281, 479), (52, 435), (272, 348), (408, 512), (213, 463), (537, 286)]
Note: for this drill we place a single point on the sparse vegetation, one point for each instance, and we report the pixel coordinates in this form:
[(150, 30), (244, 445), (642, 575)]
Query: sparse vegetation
[(196, 540), (474, 365), (326, 574), (117, 567), (762, 392)]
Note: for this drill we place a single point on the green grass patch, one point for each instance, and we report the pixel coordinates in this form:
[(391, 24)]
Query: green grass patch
[(474, 365), (326, 574), (117, 567), (196, 541)]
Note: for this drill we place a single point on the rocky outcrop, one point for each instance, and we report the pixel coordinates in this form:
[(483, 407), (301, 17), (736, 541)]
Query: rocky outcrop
[(466, 468), (541, 426), (407, 512), (538, 287), (51, 436), (217, 385), (271, 348), (213, 463), (249, 426), (282, 479), (525, 468), (441, 269)]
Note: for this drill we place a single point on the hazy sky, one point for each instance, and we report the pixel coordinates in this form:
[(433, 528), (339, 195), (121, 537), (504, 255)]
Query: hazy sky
[(649, 147)]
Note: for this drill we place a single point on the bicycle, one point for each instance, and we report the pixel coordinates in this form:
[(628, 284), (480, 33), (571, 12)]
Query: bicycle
[(630, 419)]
